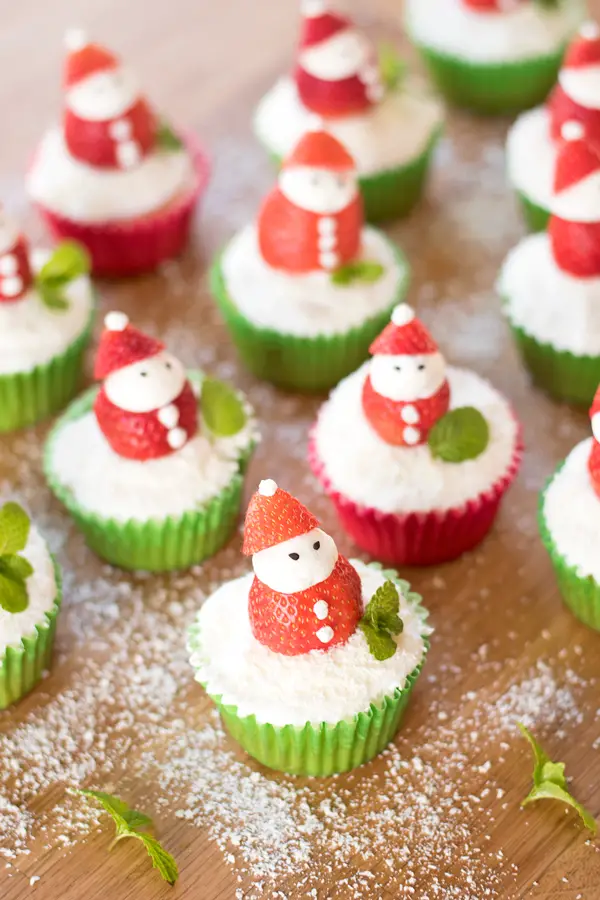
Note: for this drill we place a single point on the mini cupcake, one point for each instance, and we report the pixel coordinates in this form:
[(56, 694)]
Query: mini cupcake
[(535, 138), (550, 282), (151, 464), (388, 122), (416, 456), (311, 661), (30, 596), (493, 56), (113, 175), (570, 525), (306, 288), (46, 312)]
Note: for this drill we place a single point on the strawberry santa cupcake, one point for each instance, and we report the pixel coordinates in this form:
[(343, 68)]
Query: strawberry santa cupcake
[(415, 455), (113, 175), (493, 56), (151, 464), (312, 658), (388, 122), (46, 312), (550, 282), (535, 138), (570, 525), (305, 288)]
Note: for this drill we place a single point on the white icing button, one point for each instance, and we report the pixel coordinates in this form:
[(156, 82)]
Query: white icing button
[(375, 92), (128, 154), (168, 416), (8, 264), (370, 75), (120, 130), (11, 287), (176, 438), (327, 242), (410, 414), (325, 634), (411, 435), (329, 260), (327, 225), (321, 609), (116, 321), (596, 425)]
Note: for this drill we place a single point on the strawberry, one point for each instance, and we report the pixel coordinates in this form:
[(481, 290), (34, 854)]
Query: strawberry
[(576, 246), (562, 109), (492, 6), (594, 466), (401, 423)]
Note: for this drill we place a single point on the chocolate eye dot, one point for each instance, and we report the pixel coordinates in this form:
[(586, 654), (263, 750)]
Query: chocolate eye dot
[(294, 556), (317, 545), (397, 368), (143, 374), (168, 365), (421, 367)]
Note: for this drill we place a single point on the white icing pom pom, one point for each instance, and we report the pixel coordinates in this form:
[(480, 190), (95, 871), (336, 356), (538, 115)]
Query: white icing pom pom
[(596, 426), (403, 314), (589, 30), (572, 131), (116, 321), (267, 488), (315, 123), (313, 8), (75, 39)]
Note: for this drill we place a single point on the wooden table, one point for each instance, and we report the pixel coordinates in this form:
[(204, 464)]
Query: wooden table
[(436, 817)]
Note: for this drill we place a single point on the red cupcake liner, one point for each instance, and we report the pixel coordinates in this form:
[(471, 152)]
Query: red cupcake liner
[(133, 246), (419, 538)]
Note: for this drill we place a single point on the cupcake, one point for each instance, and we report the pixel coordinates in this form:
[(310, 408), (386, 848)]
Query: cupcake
[(46, 312), (416, 456), (570, 525), (535, 138), (311, 660), (550, 282), (493, 56), (305, 288), (151, 464), (113, 174), (388, 122), (30, 596)]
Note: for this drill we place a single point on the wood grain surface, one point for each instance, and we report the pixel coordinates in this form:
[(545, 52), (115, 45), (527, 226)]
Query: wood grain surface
[(438, 816)]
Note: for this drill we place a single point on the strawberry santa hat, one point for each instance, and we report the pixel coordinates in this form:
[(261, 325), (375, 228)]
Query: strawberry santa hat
[(15, 271), (576, 97), (313, 218), (146, 407), (337, 72), (594, 458), (305, 596), (107, 124), (406, 390)]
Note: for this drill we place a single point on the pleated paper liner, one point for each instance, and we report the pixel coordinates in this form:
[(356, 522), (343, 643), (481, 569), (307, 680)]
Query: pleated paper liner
[(22, 666), (566, 377), (154, 545), (306, 364), (324, 749), (131, 246), (581, 594), (536, 217), (493, 88), (30, 397), (418, 538)]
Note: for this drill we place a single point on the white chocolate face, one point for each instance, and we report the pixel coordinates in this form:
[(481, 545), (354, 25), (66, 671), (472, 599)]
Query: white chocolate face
[(297, 564), (9, 232), (407, 378), (582, 85), (342, 56), (318, 190), (579, 203), (146, 385), (105, 95)]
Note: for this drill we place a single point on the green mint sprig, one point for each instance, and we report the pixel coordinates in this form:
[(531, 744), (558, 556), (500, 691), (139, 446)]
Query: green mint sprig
[(459, 435), (14, 569), (222, 410), (129, 824), (167, 139), (550, 783), (362, 271), (69, 261), (381, 620), (392, 68)]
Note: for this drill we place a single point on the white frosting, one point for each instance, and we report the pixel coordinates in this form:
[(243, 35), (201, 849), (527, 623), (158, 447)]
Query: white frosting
[(525, 32), (582, 85), (572, 513), (549, 304), (318, 190), (103, 95), (596, 425), (403, 377), (531, 156), (147, 385), (390, 134), (343, 55), (296, 564), (307, 305), (581, 201), (292, 690), (41, 590), (31, 334), (86, 194), (362, 467)]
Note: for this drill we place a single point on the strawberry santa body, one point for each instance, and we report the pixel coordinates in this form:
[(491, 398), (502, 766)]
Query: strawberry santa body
[(576, 97), (594, 458), (305, 596), (146, 407), (15, 271)]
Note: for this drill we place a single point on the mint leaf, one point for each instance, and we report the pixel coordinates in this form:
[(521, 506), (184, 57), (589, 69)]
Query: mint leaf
[(16, 567), (222, 410), (167, 139), (70, 260), (550, 783), (381, 644), (392, 68), (14, 528), (13, 594), (381, 620), (161, 860), (362, 271), (53, 298), (459, 435)]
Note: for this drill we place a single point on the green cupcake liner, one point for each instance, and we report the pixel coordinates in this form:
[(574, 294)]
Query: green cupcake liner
[(30, 397), (495, 88), (580, 594), (22, 666), (305, 364), (325, 749), (155, 545), (536, 217)]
